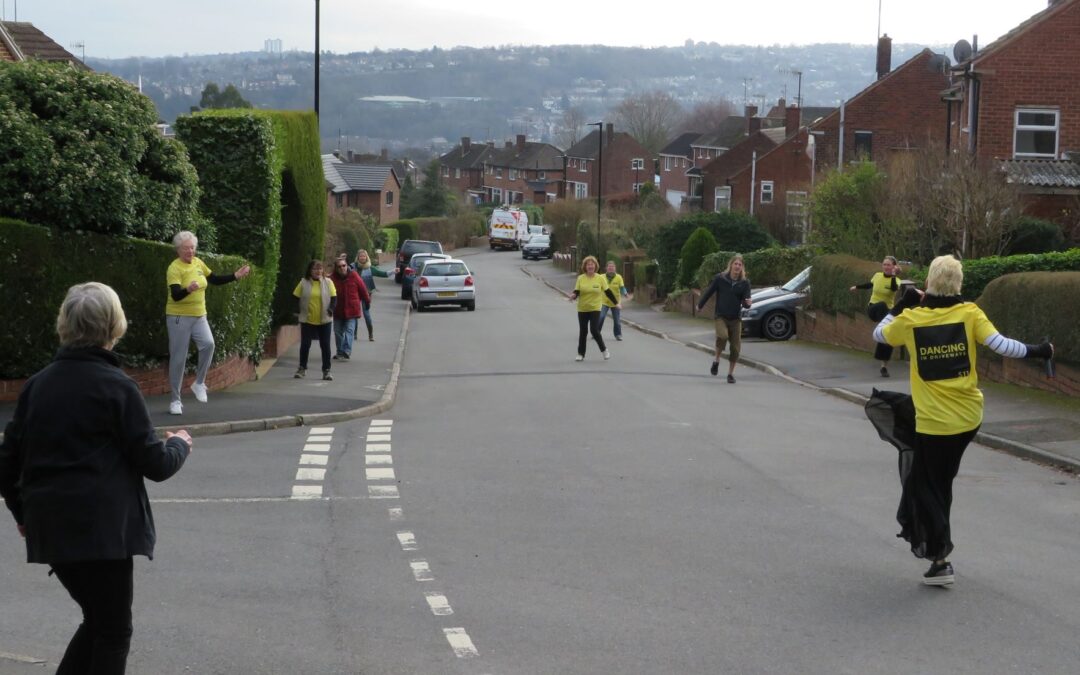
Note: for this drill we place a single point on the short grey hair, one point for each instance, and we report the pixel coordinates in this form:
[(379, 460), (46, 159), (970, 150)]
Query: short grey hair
[(183, 236), (91, 316), (945, 276)]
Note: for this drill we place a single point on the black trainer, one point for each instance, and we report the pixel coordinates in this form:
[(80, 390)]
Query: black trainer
[(730, 379), (714, 368), (939, 574), (884, 371)]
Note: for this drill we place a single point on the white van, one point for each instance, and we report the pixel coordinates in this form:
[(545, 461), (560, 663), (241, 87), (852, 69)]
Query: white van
[(507, 228)]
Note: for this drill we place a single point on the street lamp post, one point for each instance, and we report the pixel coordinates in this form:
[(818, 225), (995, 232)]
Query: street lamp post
[(599, 181), (316, 61)]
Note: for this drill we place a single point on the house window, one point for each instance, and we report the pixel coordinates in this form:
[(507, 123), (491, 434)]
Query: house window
[(581, 190), (637, 188), (457, 173), (864, 141), (496, 195), (573, 163), (513, 174), (1036, 133), (766, 192), (722, 198), (637, 164), (446, 172), (798, 213), (583, 166), (389, 197), (338, 201), (667, 163), (498, 172), (541, 175)]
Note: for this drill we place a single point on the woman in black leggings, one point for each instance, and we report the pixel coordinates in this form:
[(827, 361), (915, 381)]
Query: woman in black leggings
[(589, 292), (884, 285)]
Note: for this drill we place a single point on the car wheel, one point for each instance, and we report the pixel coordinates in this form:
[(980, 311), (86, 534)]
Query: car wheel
[(778, 325), (470, 305)]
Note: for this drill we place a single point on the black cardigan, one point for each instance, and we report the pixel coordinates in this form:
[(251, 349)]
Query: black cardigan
[(73, 460)]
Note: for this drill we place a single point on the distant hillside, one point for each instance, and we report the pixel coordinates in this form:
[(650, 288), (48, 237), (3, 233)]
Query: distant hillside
[(415, 98)]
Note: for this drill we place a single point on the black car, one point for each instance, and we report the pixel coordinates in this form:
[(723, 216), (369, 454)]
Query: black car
[(538, 246), (411, 247), (772, 309)]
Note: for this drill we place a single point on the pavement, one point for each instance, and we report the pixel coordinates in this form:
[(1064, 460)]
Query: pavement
[(1027, 423)]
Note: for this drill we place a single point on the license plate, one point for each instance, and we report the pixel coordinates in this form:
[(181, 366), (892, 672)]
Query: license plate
[(446, 294)]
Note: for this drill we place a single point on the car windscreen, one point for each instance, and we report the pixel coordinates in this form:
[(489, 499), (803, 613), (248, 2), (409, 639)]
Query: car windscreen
[(422, 246), (797, 282), (420, 258), (441, 269), (540, 239)]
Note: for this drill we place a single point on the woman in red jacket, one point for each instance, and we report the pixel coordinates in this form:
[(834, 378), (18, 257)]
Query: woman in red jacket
[(352, 295)]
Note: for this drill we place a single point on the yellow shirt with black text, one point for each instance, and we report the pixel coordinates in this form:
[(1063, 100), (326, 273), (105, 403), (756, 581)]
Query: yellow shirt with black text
[(182, 273), (883, 290), (944, 384), (590, 292)]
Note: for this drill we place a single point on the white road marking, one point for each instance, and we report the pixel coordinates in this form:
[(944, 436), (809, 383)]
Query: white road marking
[(421, 570), (306, 491), (322, 430), (460, 642), (396, 513), (315, 460), (316, 447), (382, 423), (378, 437), (378, 459), (378, 447), (383, 491), (249, 500), (8, 656), (319, 439), (408, 541), (438, 603), (310, 474), (379, 474)]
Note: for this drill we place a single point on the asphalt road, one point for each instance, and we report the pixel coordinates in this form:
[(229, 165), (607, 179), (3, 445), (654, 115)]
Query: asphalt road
[(545, 516)]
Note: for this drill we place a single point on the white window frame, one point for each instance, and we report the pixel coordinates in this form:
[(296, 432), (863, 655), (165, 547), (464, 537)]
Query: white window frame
[(496, 195), (498, 172), (513, 174), (768, 192), (722, 195), (389, 197), (797, 206), (446, 171), (583, 166), (541, 175), (581, 190), (637, 163), (338, 201), (667, 163), (1017, 128), (637, 188), (457, 173)]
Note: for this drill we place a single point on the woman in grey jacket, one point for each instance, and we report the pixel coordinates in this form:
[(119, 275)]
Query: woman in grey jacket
[(71, 471)]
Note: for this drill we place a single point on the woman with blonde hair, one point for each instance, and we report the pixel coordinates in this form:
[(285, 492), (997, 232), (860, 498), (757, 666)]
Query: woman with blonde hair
[(72, 465), (883, 286), (732, 290), (589, 291), (941, 332), (367, 273)]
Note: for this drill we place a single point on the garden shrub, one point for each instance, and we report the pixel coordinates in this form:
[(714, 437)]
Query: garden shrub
[(386, 240), (1034, 235), (698, 245), (831, 279), (135, 268), (733, 230), (978, 272), (1033, 305), (771, 266), (406, 229)]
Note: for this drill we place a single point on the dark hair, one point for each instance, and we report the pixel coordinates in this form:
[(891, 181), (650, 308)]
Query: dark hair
[(310, 266)]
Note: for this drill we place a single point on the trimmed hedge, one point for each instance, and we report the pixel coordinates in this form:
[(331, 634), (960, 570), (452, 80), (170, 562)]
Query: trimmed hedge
[(733, 230), (698, 245), (1032, 305), (406, 229), (833, 276), (135, 268), (765, 267), (387, 240), (979, 272)]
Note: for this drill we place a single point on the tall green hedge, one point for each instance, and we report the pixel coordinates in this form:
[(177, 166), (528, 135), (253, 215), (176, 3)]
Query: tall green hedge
[(733, 231), (1032, 305), (263, 186), (408, 228), (698, 245), (833, 276), (765, 267), (58, 259)]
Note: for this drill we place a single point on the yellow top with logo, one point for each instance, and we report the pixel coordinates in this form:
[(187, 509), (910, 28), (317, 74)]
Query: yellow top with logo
[(615, 284), (314, 306), (182, 273), (944, 385), (883, 290), (590, 292)]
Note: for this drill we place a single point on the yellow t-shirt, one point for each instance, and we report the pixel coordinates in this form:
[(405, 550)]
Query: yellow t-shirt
[(314, 307), (615, 284), (590, 292), (182, 273), (944, 384), (883, 290)]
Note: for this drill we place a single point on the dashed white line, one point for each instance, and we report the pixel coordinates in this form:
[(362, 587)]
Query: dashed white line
[(319, 439), (314, 460), (316, 447), (310, 474), (378, 459), (378, 447), (306, 491), (322, 430), (382, 423), (379, 474), (378, 437), (459, 640), (396, 513), (383, 491), (421, 571), (407, 541), (438, 603)]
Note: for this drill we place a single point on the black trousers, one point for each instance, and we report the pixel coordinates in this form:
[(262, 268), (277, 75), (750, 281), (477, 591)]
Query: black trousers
[(309, 332), (926, 500), (877, 312), (589, 322), (103, 590)]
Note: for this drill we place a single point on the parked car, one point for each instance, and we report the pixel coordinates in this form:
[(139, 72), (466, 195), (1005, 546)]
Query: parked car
[(408, 249), (412, 268), (444, 282), (539, 246), (772, 309)]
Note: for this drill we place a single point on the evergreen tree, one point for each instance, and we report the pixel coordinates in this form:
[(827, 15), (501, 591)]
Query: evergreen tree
[(432, 197)]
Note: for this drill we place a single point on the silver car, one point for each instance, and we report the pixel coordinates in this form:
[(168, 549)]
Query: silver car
[(444, 282)]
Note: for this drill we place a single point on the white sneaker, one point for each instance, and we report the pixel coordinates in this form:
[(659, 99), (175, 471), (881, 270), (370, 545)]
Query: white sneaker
[(200, 392), (607, 355), (176, 408), (579, 357)]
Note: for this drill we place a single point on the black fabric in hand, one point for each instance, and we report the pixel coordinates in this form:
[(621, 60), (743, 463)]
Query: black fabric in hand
[(1043, 350), (910, 298)]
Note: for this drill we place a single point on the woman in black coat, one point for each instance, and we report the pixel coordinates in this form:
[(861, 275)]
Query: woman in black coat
[(71, 471)]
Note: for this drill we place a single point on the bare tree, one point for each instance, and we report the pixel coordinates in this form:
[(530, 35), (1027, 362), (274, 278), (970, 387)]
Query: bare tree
[(650, 118), (573, 121), (707, 116)]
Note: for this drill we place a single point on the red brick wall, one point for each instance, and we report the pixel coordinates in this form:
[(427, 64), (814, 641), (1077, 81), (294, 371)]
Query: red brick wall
[(619, 177), (676, 178), (788, 167), (1038, 68)]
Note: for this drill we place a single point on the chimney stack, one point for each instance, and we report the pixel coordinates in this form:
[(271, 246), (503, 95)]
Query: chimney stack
[(348, 153), (466, 143), (521, 142), (753, 125), (384, 154), (884, 55), (750, 111), (792, 118), (610, 132)]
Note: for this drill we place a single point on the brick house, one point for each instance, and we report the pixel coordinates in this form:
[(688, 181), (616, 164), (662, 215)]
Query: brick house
[(462, 169), (372, 188), (522, 172), (676, 158), (20, 40), (715, 193), (626, 165), (1018, 100)]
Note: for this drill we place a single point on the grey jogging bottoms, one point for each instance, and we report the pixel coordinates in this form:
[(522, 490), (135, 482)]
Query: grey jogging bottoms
[(182, 330)]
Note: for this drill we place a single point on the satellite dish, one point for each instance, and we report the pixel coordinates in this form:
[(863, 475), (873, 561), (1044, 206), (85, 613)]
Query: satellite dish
[(962, 51)]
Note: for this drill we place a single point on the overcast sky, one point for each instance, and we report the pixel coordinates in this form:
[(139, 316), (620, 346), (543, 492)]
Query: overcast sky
[(120, 28)]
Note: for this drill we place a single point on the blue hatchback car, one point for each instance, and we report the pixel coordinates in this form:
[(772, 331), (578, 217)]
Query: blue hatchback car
[(411, 269)]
